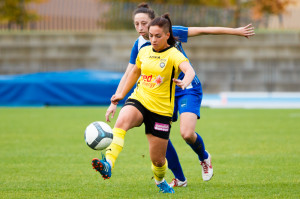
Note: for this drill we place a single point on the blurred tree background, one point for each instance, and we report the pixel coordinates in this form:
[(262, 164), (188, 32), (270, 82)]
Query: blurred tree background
[(232, 13), (117, 14), (16, 12)]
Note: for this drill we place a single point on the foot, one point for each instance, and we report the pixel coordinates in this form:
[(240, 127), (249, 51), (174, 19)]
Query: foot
[(207, 169), (102, 166), (177, 183), (165, 188)]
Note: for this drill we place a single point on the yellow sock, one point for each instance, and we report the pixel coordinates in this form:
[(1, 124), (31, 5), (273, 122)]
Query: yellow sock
[(112, 152), (159, 172)]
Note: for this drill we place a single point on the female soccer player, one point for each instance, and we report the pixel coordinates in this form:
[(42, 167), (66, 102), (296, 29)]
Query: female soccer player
[(152, 101), (188, 101)]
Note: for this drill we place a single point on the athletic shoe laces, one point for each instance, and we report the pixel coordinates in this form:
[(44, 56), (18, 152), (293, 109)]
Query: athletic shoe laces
[(175, 182), (204, 166)]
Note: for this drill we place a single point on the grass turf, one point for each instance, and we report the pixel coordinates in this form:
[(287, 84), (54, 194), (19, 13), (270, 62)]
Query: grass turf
[(255, 154)]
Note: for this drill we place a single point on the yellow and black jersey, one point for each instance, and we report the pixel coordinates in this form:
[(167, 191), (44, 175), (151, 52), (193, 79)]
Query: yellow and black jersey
[(156, 89)]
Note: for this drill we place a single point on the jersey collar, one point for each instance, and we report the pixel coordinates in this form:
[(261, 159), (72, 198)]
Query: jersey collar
[(162, 50)]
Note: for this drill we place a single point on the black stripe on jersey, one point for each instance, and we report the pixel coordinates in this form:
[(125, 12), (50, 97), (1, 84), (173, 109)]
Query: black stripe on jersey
[(163, 50), (171, 83)]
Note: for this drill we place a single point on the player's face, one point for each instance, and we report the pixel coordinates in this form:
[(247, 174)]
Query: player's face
[(141, 22), (158, 38)]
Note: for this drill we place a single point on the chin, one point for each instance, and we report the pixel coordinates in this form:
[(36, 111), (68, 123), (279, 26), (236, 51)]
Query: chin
[(156, 49)]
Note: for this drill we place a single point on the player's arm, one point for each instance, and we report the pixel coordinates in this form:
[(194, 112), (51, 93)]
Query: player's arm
[(132, 78), (245, 31), (113, 107), (189, 75)]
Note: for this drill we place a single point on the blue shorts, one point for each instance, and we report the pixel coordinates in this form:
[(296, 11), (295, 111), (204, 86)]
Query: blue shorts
[(187, 103)]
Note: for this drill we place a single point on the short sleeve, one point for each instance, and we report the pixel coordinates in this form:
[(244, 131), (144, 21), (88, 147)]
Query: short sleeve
[(179, 58), (181, 33), (134, 52)]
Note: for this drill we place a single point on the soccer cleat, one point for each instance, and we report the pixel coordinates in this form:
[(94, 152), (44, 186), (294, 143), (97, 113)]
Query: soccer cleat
[(177, 183), (207, 169), (165, 188), (102, 166)]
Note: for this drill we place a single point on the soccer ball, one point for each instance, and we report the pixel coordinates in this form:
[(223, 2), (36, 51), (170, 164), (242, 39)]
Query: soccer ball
[(98, 135)]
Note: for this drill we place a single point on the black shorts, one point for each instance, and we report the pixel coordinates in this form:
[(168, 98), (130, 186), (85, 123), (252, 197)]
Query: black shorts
[(155, 124)]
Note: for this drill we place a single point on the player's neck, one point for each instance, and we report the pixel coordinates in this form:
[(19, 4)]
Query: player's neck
[(162, 50)]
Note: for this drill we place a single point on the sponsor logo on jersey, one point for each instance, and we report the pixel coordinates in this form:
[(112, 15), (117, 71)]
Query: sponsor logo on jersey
[(150, 81), (154, 57), (162, 63), (147, 78), (158, 80)]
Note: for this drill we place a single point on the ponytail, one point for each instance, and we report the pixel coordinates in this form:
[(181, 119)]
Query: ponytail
[(165, 22), (171, 40), (144, 8)]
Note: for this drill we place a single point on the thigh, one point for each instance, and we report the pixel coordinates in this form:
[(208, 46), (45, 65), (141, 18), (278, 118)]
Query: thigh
[(157, 149), (128, 118), (188, 123)]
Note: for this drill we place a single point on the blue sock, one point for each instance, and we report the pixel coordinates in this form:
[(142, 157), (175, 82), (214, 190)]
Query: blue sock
[(199, 148), (173, 162)]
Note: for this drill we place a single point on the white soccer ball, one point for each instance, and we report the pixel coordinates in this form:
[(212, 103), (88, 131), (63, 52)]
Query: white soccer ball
[(98, 135)]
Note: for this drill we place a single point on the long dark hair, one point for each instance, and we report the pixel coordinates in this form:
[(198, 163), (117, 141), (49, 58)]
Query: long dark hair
[(144, 8), (164, 22)]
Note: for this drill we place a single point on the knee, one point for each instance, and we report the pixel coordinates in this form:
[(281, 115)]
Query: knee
[(120, 121), (124, 123), (188, 135), (128, 121), (159, 162)]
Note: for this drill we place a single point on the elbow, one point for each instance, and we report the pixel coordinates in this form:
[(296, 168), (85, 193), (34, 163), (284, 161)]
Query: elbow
[(193, 73)]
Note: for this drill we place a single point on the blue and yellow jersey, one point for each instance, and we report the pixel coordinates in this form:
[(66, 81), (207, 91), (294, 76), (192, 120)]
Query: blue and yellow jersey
[(156, 89), (181, 33)]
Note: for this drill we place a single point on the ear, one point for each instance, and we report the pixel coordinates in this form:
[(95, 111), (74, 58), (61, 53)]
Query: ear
[(168, 35)]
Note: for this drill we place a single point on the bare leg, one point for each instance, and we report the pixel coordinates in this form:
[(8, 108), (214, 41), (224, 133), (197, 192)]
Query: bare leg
[(188, 123)]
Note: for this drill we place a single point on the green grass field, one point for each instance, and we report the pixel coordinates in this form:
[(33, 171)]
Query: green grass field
[(255, 154)]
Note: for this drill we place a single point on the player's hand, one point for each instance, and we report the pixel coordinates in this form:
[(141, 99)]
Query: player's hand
[(179, 83), (111, 110), (246, 31), (116, 98)]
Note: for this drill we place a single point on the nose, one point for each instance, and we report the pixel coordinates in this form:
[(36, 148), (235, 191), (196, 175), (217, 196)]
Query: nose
[(140, 27), (153, 39)]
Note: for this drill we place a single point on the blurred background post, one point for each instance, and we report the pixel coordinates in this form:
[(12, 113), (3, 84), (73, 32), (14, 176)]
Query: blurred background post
[(41, 36)]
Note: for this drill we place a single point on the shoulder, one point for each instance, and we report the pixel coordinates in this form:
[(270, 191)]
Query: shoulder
[(139, 42), (145, 49), (142, 42), (136, 43), (176, 54), (175, 50)]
